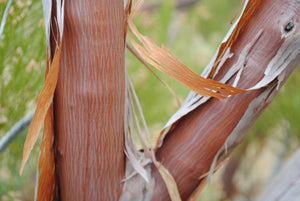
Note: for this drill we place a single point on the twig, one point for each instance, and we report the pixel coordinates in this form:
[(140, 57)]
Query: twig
[(283, 150), (179, 4), (15, 131), (4, 17)]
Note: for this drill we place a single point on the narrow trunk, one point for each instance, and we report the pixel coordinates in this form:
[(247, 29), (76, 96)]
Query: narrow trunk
[(89, 102)]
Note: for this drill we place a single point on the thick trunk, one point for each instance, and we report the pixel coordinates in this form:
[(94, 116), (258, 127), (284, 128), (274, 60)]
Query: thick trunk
[(89, 102), (191, 145)]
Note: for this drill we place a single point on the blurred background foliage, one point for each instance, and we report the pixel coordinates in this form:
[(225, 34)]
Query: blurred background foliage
[(192, 30)]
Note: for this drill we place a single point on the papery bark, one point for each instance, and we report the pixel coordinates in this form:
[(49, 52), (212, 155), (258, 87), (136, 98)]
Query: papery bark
[(214, 128), (89, 101)]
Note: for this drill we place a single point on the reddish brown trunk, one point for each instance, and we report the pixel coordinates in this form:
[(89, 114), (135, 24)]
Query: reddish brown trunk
[(89, 102), (189, 149)]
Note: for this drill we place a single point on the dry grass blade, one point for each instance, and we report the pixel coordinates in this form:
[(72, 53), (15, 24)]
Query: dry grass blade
[(44, 101)]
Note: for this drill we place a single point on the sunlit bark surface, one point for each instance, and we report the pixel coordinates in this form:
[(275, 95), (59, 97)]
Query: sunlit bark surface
[(89, 102), (190, 147)]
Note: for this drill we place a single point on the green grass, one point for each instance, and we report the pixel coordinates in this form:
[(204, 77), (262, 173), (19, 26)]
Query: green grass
[(22, 61)]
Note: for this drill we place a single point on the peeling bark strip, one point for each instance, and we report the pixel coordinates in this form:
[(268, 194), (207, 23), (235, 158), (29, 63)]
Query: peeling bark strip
[(163, 60), (44, 102), (89, 102), (205, 130)]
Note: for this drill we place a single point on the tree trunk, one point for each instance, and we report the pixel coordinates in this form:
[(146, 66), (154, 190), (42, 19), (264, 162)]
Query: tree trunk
[(89, 101), (200, 137)]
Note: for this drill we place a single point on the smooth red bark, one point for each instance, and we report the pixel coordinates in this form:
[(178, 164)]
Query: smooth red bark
[(89, 102), (190, 147)]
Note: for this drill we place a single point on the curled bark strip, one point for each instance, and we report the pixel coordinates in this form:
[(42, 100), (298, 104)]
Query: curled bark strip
[(46, 184), (43, 104), (46, 96), (155, 74), (250, 8), (163, 60)]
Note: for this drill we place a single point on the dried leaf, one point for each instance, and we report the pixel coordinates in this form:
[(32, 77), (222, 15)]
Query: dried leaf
[(44, 101)]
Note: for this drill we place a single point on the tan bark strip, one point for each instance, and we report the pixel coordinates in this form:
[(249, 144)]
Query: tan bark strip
[(155, 74), (46, 184), (44, 101), (166, 62), (89, 102), (214, 128), (251, 7), (235, 70)]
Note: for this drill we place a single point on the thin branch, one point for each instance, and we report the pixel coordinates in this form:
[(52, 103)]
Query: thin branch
[(179, 4), (3, 21), (15, 131)]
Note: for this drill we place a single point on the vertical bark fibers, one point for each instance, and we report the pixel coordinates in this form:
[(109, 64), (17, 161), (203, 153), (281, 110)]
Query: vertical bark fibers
[(89, 102), (189, 149)]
